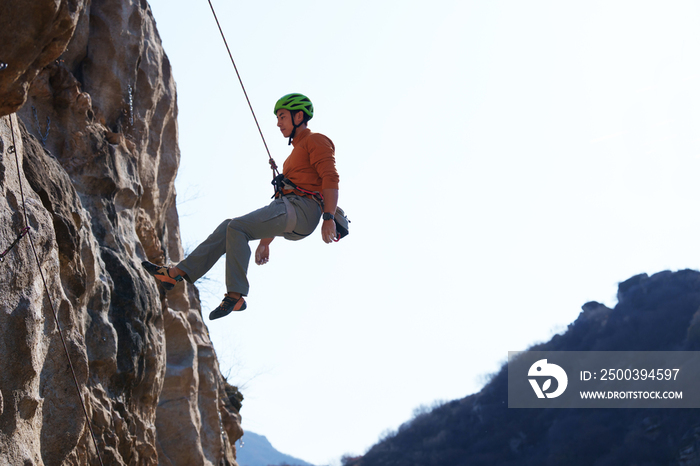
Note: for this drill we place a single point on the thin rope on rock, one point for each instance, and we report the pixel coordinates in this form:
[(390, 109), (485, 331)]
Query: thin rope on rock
[(48, 295), (24, 231)]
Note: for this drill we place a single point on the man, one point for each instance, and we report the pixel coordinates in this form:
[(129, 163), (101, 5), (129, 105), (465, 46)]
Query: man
[(294, 214)]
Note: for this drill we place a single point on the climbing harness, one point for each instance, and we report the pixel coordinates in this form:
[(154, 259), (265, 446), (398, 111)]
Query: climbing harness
[(342, 222), (27, 231), (281, 183)]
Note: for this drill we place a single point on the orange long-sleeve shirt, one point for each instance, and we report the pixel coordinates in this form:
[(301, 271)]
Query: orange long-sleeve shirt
[(311, 165)]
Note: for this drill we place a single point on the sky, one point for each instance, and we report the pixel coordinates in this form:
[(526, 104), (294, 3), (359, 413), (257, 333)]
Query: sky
[(502, 163)]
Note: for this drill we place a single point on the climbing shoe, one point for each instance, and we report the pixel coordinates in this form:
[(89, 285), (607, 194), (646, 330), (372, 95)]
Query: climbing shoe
[(227, 306), (161, 274)]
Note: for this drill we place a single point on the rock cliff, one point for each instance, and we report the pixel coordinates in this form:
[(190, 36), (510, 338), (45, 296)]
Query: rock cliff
[(88, 144)]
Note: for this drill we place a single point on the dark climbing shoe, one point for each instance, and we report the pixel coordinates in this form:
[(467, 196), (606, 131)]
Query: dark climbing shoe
[(227, 306), (161, 274)]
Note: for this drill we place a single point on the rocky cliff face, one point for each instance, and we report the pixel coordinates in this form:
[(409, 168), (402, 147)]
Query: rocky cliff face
[(88, 113)]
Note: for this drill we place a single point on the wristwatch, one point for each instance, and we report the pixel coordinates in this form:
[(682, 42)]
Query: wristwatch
[(328, 216)]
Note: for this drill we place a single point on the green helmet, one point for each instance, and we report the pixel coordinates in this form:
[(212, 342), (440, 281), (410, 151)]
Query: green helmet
[(294, 102)]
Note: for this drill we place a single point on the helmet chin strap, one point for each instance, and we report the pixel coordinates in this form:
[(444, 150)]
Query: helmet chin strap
[(294, 131)]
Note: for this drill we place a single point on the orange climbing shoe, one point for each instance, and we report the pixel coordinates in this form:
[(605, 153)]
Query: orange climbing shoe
[(161, 274), (227, 306)]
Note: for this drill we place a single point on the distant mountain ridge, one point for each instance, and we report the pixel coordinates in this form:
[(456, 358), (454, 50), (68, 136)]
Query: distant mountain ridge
[(258, 451), (657, 313)]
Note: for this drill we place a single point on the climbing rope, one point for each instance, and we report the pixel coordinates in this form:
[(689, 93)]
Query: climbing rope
[(27, 230), (14, 243), (273, 165)]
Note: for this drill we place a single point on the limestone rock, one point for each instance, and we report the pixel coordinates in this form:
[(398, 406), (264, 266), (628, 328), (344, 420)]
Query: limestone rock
[(93, 151), (33, 34)]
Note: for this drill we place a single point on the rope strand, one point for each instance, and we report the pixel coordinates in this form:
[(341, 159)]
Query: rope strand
[(48, 295), (272, 162), (21, 190), (14, 243)]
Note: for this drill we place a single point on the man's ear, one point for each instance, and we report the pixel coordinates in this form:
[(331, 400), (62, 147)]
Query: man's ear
[(298, 117)]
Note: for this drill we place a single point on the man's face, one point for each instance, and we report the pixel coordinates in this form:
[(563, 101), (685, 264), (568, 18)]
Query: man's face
[(284, 122)]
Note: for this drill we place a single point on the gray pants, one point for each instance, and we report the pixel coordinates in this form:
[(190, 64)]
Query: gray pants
[(293, 217)]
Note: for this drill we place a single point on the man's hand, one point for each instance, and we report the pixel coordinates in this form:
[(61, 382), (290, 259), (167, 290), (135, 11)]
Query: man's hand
[(328, 231), (262, 253), (330, 198)]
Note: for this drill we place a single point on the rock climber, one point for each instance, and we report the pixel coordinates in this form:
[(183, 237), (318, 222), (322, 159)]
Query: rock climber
[(294, 213)]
